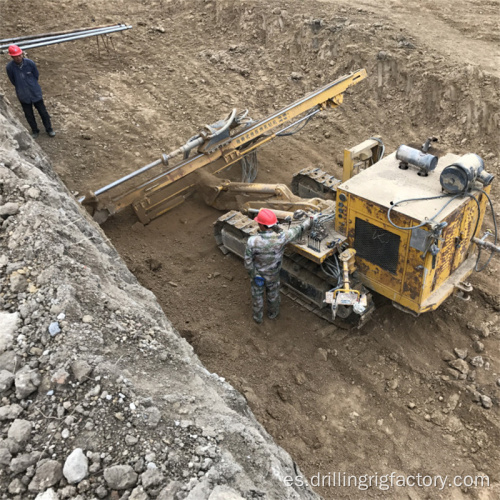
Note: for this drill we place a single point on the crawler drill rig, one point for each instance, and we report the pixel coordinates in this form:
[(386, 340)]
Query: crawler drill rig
[(406, 226)]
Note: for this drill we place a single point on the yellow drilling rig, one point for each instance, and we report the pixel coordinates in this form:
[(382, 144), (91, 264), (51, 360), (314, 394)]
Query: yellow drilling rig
[(407, 226)]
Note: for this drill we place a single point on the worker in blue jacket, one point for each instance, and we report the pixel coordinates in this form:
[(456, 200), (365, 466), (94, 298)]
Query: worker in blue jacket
[(23, 74)]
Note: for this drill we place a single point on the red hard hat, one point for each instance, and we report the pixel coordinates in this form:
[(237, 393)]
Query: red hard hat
[(266, 217), (14, 50)]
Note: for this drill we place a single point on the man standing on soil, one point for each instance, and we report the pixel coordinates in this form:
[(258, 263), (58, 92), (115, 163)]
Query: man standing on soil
[(23, 74), (263, 257)]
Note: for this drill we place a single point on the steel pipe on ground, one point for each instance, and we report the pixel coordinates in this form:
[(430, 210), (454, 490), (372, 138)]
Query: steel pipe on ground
[(76, 37), (55, 33), (91, 32)]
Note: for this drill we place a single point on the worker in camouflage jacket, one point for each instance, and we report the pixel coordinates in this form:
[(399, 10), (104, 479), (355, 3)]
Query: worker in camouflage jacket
[(263, 257)]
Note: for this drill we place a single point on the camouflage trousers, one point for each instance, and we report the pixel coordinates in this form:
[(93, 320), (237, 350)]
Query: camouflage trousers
[(272, 291)]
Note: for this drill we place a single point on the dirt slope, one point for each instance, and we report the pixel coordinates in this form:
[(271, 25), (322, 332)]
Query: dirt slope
[(335, 401)]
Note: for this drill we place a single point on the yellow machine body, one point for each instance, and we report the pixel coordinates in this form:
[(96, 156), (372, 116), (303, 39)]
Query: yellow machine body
[(399, 263)]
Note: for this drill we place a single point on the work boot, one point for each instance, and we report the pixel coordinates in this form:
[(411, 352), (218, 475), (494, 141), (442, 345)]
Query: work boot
[(35, 134), (257, 319), (273, 315), (51, 133)]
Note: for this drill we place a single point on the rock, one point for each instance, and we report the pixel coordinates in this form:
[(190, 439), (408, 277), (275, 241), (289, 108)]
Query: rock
[(486, 401), (138, 493), (8, 325), (476, 396), (300, 378), (11, 445), (9, 360), (460, 365), (47, 474), (81, 370), (478, 346), (393, 384), (498, 382), (224, 493), (9, 209), (87, 319), (447, 356), (152, 478), (154, 416), (131, 440), (5, 456), (484, 329), (322, 354), (60, 377), (76, 466), (22, 462), (453, 401), (101, 491), (6, 381), (54, 328), (477, 361), (411, 406), (27, 382), (120, 477), (296, 76), (95, 391), (170, 491), (68, 492), (16, 487), (49, 494), (154, 265), (18, 282), (461, 353), (33, 192), (200, 491), (453, 374), (20, 431)]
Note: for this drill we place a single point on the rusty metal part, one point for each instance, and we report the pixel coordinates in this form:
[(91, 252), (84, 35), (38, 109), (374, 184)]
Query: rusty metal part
[(464, 289), (369, 151), (315, 183), (223, 194), (486, 244)]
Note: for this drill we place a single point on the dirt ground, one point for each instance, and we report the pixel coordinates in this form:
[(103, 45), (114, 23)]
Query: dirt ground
[(378, 400)]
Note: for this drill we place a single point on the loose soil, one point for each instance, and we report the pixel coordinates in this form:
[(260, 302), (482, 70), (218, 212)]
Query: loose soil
[(372, 401)]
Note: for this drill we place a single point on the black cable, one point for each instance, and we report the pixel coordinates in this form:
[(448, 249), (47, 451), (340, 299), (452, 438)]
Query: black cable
[(496, 235), (421, 199)]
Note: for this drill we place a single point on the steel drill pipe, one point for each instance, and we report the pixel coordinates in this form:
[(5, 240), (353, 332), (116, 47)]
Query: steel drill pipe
[(72, 38), (90, 32), (56, 33)]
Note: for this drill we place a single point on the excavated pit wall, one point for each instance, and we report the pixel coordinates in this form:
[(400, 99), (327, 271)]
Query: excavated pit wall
[(89, 361)]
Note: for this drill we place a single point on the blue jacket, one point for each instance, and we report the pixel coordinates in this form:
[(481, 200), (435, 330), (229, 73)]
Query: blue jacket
[(25, 78)]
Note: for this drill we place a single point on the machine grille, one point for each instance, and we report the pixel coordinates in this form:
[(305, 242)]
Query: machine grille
[(376, 245)]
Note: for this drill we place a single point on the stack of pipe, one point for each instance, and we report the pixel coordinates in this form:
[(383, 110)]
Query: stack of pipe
[(34, 41)]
